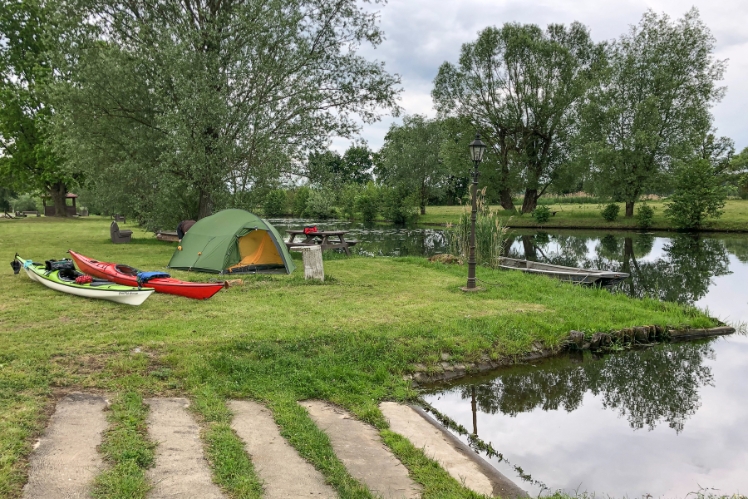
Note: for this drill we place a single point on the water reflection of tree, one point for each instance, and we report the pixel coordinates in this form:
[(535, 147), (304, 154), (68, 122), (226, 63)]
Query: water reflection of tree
[(686, 274), (738, 246), (646, 387), (682, 275)]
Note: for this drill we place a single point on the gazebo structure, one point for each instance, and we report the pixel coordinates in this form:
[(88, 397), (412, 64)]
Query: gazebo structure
[(49, 211)]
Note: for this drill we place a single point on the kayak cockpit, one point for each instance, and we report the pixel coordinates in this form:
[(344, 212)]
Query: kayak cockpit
[(127, 270)]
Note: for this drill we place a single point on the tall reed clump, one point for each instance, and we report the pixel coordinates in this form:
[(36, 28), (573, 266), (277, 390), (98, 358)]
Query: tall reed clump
[(490, 232)]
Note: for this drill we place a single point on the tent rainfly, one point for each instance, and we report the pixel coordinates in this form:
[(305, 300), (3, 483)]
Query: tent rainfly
[(232, 242)]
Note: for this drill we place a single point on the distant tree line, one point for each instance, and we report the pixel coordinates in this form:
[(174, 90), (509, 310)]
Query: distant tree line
[(175, 109)]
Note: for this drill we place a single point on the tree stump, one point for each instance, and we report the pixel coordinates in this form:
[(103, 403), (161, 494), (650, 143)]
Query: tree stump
[(313, 267)]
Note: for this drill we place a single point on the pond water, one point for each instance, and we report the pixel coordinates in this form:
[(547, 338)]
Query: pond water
[(378, 239), (660, 422)]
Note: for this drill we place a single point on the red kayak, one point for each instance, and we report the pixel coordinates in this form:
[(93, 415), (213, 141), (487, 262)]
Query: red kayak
[(128, 276)]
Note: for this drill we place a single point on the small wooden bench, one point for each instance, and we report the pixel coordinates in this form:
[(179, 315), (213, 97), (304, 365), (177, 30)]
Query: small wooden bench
[(31, 212), (119, 236)]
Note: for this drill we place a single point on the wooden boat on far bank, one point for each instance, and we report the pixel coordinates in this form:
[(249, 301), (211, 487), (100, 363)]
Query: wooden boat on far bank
[(576, 275)]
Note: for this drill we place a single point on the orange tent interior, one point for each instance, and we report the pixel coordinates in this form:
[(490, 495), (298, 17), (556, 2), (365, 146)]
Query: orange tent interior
[(257, 248)]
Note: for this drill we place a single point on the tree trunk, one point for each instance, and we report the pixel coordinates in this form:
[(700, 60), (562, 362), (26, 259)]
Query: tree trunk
[(507, 245), (205, 206), (531, 201), (505, 199), (529, 246), (628, 257), (58, 191), (423, 198), (629, 209)]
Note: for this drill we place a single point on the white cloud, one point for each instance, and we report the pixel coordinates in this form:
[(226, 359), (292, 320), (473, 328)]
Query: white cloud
[(422, 34)]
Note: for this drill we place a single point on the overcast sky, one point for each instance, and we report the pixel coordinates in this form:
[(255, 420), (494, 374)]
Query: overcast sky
[(422, 34)]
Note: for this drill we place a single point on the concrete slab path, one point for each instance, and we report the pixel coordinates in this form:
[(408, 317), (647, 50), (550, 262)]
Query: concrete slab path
[(422, 434), (65, 461), (283, 471), (454, 456), (360, 449), (181, 470)]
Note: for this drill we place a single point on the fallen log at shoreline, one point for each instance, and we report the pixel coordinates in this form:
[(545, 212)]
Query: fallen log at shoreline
[(695, 334)]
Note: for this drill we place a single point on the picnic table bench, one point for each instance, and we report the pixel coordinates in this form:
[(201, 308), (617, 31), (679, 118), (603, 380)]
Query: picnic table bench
[(321, 238), (167, 235)]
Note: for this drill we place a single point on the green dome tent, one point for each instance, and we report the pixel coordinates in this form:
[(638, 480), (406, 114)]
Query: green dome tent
[(232, 242)]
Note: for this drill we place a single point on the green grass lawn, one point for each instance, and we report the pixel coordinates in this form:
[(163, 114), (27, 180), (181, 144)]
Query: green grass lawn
[(735, 217), (276, 339)]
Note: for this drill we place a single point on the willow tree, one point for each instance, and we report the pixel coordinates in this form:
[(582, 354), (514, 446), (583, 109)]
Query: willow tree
[(206, 98), (652, 108), (520, 86)]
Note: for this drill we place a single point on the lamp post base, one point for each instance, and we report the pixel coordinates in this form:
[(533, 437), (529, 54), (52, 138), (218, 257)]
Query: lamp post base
[(471, 290)]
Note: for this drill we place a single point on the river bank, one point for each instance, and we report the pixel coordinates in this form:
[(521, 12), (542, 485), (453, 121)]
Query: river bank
[(277, 339), (587, 216)]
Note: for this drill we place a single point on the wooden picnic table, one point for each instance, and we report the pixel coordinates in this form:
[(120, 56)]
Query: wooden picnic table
[(321, 238)]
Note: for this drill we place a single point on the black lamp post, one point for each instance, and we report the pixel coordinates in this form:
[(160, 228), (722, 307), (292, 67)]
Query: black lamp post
[(477, 148)]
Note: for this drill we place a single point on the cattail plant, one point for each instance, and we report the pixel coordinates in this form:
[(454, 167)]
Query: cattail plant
[(490, 232)]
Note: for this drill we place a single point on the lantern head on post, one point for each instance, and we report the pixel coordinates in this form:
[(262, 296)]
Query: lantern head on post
[(477, 148)]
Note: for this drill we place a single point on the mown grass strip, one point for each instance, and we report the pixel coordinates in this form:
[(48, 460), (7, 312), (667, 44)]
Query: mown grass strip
[(313, 445), (436, 482), (232, 468), (127, 449)]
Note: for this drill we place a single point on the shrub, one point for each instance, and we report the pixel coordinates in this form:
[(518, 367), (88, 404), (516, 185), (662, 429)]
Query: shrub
[(610, 212), (399, 204), (25, 203), (367, 202), (299, 201), (275, 203), (645, 216), (490, 233), (347, 201), (698, 195), (319, 205), (541, 214)]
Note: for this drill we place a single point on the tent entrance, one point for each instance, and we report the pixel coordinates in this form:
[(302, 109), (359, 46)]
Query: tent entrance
[(257, 249)]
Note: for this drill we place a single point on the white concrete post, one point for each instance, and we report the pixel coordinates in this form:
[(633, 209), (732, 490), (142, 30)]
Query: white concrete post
[(313, 267)]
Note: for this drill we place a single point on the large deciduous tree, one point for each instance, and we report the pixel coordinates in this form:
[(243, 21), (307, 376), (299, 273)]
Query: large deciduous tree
[(209, 98), (653, 106), (27, 160), (330, 169), (410, 158), (520, 86)]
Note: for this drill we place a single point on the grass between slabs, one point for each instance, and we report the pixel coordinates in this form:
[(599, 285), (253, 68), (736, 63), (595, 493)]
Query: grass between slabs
[(127, 450), (276, 339)]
